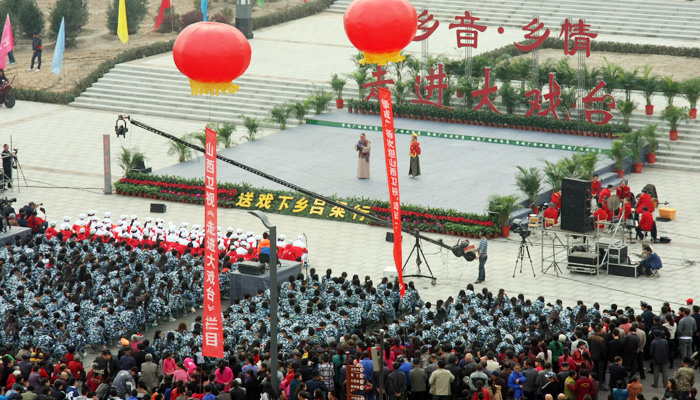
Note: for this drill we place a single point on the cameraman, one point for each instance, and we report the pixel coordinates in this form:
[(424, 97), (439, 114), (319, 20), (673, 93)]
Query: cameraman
[(481, 253), (651, 260), (7, 165)]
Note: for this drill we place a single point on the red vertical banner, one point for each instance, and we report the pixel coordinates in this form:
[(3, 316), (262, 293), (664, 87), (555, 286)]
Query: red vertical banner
[(392, 176), (213, 338)]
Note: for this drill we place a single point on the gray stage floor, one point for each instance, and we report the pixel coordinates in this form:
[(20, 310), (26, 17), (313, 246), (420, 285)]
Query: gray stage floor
[(456, 174)]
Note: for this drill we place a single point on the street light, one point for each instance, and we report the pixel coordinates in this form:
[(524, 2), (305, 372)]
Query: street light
[(273, 295)]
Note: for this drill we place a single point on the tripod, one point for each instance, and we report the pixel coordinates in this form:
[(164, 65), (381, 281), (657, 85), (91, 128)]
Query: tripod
[(521, 255), (21, 171), (419, 252), (554, 263)]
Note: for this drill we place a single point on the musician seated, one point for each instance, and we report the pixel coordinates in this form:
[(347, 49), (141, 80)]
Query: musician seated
[(651, 261), (551, 213), (623, 191), (600, 216), (625, 211), (646, 224)]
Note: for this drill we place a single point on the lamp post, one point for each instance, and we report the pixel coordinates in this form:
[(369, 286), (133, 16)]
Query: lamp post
[(273, 296)]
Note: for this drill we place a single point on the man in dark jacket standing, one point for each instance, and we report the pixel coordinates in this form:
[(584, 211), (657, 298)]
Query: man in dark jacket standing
[(597, 345), (396, 383), (659, 352), (530, 385), (36, 47), (456, 385), (630, 345), (617, 372)]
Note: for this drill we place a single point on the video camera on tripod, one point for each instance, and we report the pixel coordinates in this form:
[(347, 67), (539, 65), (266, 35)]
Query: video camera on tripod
[(520, 227)]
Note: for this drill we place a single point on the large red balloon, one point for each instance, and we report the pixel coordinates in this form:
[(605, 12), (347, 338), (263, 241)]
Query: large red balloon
[(212, 55), (380, 28)]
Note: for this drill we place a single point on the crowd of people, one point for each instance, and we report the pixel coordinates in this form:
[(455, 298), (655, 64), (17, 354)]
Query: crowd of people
[(62, 293)]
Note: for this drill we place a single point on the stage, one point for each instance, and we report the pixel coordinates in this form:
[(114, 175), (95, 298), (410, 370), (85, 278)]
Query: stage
[(462, 165)]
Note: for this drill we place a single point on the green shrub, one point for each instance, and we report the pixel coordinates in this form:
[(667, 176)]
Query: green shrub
[(135, 13), (300, 11), (221, 18), (42, 96), (76, 16)]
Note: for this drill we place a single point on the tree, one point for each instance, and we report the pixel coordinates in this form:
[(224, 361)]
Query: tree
[(25, 14), (76, 16), (135, 13), (253, 127)]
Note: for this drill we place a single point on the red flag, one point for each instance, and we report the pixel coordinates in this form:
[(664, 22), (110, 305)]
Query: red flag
[(165, 4), (213, 338), (392, 175)]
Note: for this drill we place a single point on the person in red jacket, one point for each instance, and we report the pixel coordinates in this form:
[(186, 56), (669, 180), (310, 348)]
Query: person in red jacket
[(584, 386), (600, 216), (646, 224), (556, 199), (625, 210), (623, 191), (51, 231), (604, 194), (644, 201), (550, 213), (595, 186)]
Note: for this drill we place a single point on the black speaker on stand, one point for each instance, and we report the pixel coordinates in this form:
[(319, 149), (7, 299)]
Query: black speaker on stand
[(576, 205)]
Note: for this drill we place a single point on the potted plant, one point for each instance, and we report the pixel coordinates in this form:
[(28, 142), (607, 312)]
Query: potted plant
[(528, 182), (652, 135), (649, 84), (635, 142), (503, 206), (626, 108), (617, 153), (691, 91), (674, 115), (337, 84), (670, 89)]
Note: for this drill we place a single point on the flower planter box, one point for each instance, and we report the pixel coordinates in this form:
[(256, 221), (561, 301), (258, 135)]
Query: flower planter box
[(505, 231), (649, 109), (638, 168), (651, 158), (693, 113), (339, 103), (673, 135)]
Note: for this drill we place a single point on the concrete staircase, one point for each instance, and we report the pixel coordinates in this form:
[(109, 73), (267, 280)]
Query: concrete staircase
[(165, 92), (647, 18)]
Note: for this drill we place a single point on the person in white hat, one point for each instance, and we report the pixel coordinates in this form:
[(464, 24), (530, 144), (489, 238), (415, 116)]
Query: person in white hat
[(65, 226), (281, 244), (51, 231)]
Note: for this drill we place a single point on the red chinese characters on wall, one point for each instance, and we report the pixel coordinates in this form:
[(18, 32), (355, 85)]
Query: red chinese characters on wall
[(485, 92), (580, 33), (435, 82), (532, 28), (424, 18), (467, 30), (380, 82), (591, 98)]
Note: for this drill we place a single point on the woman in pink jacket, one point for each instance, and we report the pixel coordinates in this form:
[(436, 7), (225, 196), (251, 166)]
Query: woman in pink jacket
[(224, 375)]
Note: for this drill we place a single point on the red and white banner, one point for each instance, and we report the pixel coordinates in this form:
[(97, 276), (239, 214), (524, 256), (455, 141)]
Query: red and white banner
[(163, 5), (213, 338), (392, 176), (7, 43)]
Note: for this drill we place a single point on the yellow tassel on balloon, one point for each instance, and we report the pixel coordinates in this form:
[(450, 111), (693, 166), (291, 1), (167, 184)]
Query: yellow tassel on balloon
[(202, 88), (382, 58)]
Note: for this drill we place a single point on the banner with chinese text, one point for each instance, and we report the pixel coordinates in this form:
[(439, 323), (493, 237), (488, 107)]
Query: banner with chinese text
[(392, 176), (213, 337)]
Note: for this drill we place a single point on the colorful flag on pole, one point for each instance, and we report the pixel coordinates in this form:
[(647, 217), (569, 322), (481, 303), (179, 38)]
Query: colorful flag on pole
[(204, 9), (122, 27), (261, 3), (392, 176), (213, 338), (7, 43), (57, 62), (163, 6)]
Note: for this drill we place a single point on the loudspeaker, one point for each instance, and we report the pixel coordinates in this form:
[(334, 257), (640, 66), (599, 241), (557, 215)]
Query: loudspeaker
[(575, 206), (580, 225), (390, 237), (157, 208), (251, 268), (575, 189)]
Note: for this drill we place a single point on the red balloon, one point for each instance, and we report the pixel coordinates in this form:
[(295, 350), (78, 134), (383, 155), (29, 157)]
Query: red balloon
[(380, 28), (212, 55)]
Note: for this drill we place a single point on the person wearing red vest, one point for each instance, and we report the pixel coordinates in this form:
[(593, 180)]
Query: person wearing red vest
[(600, 216), (556, 199), (644, 201), (595, 186), (646, 224), (551, 213), (604, 194)]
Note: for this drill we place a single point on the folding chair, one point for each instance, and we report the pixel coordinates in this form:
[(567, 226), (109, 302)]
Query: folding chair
[(655, 273)]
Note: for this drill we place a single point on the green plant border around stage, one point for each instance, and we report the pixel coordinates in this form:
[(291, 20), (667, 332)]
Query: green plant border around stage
[(484, 118), (454, 136), (244, 196)]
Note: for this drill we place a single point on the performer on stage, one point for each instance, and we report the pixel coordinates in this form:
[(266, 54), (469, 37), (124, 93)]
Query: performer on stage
[(646, 224), (414, 169), (363, 148), (644, 201), (623, 191), (605, 194), (600, 216), (556, 199)]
